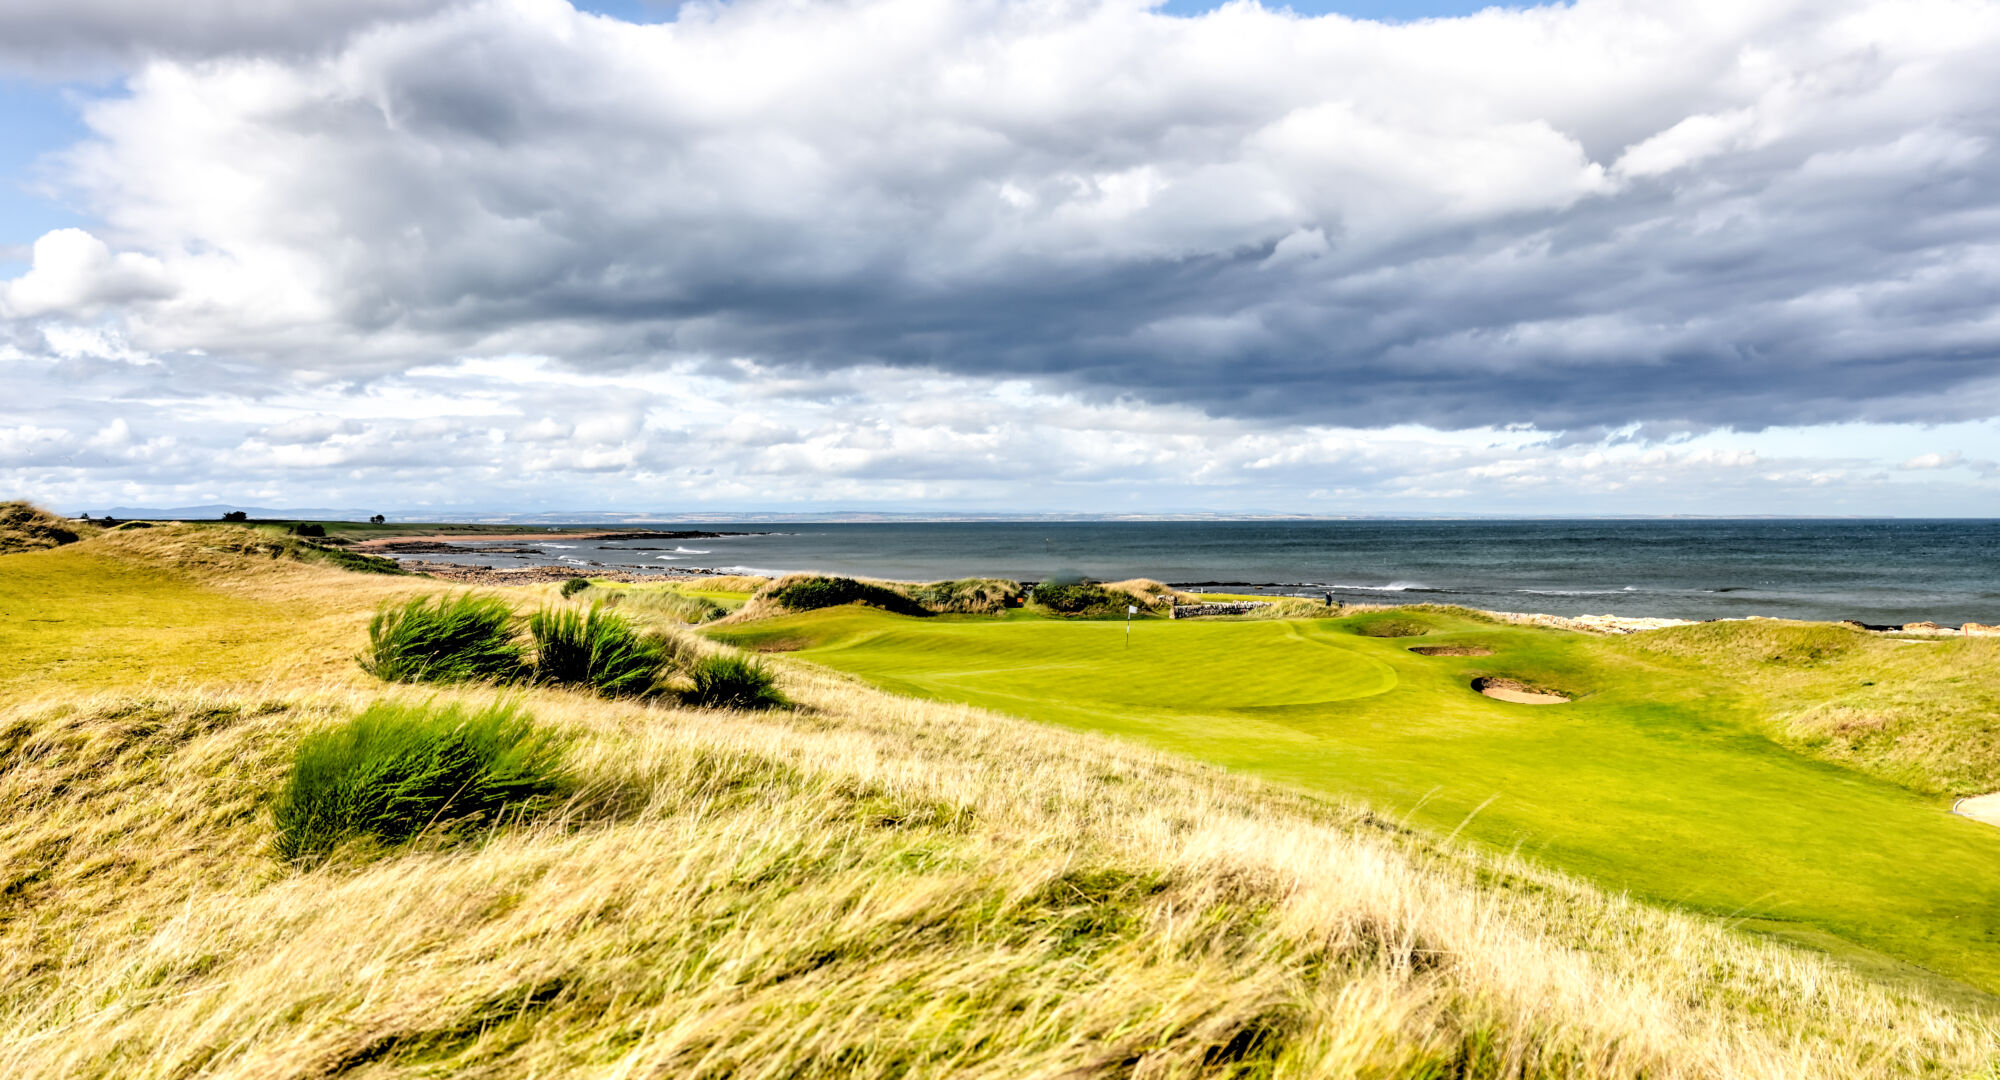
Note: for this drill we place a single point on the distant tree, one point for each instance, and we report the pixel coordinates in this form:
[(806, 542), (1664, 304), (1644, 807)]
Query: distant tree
[(377, 520), (236, 515)]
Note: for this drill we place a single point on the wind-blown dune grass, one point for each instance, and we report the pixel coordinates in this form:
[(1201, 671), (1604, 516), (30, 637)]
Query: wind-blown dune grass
[(397, 771), (862, 885), (884, 888), (446, 639), (595, 649), (30, 528)]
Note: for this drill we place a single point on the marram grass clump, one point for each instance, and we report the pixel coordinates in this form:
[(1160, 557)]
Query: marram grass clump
[(733, 682), (670, 603), (396, 772), (443, 639), (596, 649)]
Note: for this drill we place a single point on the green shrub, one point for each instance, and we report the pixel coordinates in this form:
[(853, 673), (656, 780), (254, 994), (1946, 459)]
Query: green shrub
[(397, 771), (435, 639), (733, 682), (309, 529), (1080, 599), (970, 596), (813, 593), (595, 649), (573, 586)]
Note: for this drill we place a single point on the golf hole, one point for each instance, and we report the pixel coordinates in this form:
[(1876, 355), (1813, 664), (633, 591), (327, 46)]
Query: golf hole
[(1518, 692), (1451, 650)]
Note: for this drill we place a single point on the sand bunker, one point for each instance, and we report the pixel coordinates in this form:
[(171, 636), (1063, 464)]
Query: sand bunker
[(1518, 692), (1984, 808), (1451, 650)]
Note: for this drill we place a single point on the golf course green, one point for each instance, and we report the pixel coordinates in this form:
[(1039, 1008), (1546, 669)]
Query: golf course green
[(1660, 777)]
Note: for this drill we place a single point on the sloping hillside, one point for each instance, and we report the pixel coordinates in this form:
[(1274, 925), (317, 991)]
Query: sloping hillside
[(864, 885), (24, 527)]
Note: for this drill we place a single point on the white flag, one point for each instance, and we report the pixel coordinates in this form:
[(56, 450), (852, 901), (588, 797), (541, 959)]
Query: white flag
[(1131, 609)]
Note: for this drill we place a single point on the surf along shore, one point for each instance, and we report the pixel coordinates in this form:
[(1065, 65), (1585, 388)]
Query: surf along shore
[(541, 567)]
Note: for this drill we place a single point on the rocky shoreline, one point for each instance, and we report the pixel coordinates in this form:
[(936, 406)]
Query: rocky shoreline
[(547, 573)]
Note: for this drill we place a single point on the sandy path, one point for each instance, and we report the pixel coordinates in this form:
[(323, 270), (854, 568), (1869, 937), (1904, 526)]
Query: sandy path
[(1502, 689)]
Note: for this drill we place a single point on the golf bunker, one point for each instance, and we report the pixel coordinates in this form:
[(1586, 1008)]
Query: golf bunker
[(1518, 692), (1985, 808), (1451, 650)]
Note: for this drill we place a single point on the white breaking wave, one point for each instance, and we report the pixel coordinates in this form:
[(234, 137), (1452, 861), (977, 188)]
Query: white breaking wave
[(1394, 586), (689, 551)]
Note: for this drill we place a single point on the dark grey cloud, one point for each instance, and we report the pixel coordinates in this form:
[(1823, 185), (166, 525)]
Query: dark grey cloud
[(1581, 218), (66, 38)]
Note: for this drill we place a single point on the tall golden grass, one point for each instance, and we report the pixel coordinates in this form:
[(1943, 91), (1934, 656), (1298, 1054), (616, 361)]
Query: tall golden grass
[(870, 886), (865, 886)]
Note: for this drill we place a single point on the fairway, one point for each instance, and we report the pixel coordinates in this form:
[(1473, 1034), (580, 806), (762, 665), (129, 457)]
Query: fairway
[(1655, 779)]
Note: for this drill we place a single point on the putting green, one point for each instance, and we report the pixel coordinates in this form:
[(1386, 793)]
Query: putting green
[(1655, 779), (1245, 666)]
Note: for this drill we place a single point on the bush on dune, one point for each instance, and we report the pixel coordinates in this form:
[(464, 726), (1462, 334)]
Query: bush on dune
[(967, 596), (397, 771), (438, 639), (811, 593), (1081, 598), (733, 682), (573, 586), (596, 649)]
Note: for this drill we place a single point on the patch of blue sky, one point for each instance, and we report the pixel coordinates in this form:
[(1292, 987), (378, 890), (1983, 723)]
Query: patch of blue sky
[(36, 119)]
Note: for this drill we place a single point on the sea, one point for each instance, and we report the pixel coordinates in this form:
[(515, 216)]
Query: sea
[(1880, 572)]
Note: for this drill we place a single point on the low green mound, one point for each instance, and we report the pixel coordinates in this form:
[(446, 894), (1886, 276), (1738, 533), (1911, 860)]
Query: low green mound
[(1737, 643), (443, 640), (1085, 598), (966, 596), (24, 527), (397, 771), (811, 593), (227, 547)]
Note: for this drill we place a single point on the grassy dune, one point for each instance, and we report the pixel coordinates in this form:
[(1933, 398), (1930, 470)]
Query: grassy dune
[(866, 885), (1660, 778)]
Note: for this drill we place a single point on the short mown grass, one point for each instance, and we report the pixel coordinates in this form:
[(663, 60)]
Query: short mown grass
[(441, 639), (1665, 778), (398, 771)]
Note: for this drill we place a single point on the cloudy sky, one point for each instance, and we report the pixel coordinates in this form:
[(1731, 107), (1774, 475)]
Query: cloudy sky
[(1614, 256)]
